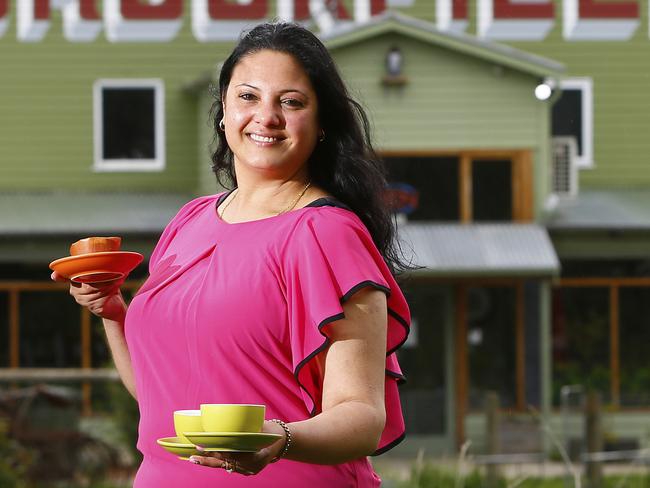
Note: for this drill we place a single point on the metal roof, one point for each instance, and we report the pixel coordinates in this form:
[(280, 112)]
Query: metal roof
[(442, 249), (392, 21), (59, 213), (457, 250), (602, 211)]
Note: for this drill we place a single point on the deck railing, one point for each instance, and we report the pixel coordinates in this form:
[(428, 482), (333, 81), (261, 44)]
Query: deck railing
[(84, 372)]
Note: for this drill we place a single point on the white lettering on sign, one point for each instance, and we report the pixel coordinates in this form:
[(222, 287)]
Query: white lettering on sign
[(4, 16), (32, 19), (131, 20), (223, 20), (81, 21), (451, 15), (323, 17), (597, 20), (219, 20), (515, 20), (285, 10)]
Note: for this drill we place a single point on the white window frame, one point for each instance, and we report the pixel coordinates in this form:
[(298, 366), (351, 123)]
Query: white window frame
[(129, 165), (585, 85)]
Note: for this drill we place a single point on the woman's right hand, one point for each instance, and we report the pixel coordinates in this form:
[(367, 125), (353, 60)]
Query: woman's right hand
[(102, 299)]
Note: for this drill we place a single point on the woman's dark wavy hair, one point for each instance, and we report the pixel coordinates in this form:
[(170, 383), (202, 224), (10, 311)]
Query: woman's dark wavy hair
[(344, 164)]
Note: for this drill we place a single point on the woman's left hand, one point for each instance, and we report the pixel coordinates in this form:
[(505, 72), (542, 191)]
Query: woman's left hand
[(245, 463)]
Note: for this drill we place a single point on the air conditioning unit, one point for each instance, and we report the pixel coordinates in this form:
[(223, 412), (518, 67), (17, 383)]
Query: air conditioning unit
[(564, 174)]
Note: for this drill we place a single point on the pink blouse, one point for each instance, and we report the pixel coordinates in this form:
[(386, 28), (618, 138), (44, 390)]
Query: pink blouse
[(232, 313)]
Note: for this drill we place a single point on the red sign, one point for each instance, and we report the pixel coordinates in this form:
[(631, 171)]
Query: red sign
[(600, 20), (223, 20), (512, 9), (221, 9), (4, 10), (459, 8), (515, 19), (88, 10), (591, 9), (165, 10), (451, 15)]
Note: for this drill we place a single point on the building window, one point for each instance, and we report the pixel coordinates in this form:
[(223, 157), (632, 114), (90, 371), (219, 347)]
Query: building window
[(491, 345), (573, 117), (600, 330), (435, 179), (424, 395), (473, 186), (492, 190), (129, 125)]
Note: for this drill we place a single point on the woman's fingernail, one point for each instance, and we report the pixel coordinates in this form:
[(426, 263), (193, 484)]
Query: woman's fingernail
[(199, 448), (194, 460)]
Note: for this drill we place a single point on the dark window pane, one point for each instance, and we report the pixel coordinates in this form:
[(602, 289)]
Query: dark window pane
[(605, 268), (491, 344), (100, 354), (634, 320), (50, 334), (492, 191), (533, 339), (422, 360), (4, 329), (567, 116), (436, 180), (129, 123), (581, 339)]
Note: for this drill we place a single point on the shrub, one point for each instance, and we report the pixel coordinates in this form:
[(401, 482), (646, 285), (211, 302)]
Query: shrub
[(14, 461)]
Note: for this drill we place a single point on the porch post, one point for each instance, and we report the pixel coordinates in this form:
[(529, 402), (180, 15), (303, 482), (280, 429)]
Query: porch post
[(546, 358), (14, 328), (450, 367), (462, 375)]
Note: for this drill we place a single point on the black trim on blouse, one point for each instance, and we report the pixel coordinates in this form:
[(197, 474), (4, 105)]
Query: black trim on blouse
[(390, 445), (326, 343), (319, 202), (224, 195), (328, 202)]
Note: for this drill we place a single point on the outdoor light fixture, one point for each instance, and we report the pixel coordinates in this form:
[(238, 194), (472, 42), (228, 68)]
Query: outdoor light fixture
[(545, 89), (394, 65), (394, 61)]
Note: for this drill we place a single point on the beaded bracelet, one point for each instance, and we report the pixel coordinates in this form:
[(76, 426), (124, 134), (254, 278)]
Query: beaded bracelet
[(287, 441)]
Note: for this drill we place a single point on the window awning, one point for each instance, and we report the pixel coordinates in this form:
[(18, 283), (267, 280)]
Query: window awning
[(479, 250), (37, 228), (62, 213), (611, 210)]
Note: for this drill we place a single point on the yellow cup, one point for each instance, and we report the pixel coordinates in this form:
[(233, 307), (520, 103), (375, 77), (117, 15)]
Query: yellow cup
[(187, 421), (232, 417)]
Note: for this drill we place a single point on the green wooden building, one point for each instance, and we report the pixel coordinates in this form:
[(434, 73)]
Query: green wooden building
[(515, 131)]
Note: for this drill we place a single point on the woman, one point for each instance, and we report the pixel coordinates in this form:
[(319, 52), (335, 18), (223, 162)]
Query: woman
[(279, 292)]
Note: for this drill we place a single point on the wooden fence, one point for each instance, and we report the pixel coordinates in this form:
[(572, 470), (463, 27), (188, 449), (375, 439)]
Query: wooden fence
[(84, 373)]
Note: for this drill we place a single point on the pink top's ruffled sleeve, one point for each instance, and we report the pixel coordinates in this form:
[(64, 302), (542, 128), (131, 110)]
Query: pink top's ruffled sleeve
[(328, 258), (161, 266), (171, 229)]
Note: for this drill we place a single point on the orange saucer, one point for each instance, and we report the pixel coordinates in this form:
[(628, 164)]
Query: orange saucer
[(96, 267)]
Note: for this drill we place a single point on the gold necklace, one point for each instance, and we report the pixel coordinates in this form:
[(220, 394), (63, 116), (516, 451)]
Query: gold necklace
[(290, 207), (295, 202), (223, 210)]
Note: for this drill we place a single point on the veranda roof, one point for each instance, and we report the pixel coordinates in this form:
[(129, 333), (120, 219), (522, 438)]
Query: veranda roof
[(472, 250), (54, 213), (602, 210)]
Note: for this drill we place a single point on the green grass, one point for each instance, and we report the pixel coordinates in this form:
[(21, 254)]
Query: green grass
[(429, 476)]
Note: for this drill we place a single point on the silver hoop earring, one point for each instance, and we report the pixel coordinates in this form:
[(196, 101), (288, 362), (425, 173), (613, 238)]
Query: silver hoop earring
[(321, 137), (222, 125)]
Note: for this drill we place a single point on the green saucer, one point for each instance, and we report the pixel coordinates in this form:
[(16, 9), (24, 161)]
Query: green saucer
[(176, 446), (232, 441)]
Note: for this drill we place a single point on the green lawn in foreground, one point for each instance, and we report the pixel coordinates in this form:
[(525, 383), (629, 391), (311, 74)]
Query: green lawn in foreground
[(434, 477)]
